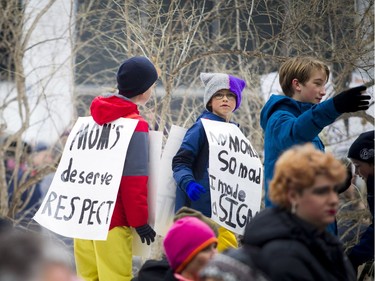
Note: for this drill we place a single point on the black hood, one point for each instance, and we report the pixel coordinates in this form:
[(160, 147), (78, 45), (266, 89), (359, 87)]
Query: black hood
[(273, 230), (276, 223)]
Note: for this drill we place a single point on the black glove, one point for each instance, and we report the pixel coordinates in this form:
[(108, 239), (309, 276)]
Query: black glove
[(146, 233), (352, 100)]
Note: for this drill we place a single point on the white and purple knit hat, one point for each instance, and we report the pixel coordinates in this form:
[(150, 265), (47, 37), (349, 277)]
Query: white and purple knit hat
[(214, 82)]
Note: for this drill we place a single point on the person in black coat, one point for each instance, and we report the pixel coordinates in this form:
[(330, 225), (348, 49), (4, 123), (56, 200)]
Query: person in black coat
[(291, 238), (155, 270), (361, 153)]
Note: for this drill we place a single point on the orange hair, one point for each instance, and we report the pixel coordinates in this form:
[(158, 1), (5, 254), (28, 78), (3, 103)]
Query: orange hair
[(297, 168)]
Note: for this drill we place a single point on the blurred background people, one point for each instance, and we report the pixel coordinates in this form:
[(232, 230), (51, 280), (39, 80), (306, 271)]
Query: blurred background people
[(232, 265), (28, 256), (24, 196), (43, 163), (57, 262), (20, 255)]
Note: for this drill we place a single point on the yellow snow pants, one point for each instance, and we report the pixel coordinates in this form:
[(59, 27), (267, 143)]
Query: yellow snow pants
[(105, 260)]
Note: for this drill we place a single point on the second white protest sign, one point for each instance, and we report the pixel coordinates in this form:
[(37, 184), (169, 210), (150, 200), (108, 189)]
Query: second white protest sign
[(235, 174)]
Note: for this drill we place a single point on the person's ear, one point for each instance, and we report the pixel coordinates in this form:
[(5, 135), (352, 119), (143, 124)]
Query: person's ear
[(209, 104), (296, 85), (292, 196)]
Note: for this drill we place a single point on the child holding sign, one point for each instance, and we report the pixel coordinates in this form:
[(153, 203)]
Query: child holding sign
[(190, 164), (112, 259)]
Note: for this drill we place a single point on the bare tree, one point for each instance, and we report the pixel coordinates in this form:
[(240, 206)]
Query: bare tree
[(15, 42), (246, 38), (183, 38)]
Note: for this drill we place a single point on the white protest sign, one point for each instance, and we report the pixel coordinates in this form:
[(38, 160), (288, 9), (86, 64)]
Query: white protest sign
[(155, 147), (155, 150), (167, 186), (82, 195), (235, 175)]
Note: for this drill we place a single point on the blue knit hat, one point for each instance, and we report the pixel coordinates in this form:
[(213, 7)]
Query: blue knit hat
[(135, 76), (214, 82)]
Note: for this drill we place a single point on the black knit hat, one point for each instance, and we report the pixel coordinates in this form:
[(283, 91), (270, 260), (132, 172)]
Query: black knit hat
[(362, 148), (135, 76)]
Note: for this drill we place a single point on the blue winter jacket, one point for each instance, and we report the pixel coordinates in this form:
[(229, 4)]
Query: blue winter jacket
[(287, 122), (191, 164)]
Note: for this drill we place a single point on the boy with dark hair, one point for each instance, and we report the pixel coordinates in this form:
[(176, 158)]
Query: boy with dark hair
[(112, 259)]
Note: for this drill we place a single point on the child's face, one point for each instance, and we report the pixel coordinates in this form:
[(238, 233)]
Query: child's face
[(201, 259), (223, 102), (313, 90)]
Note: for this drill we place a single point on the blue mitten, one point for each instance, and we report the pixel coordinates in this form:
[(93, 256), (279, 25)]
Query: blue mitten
[(194, 190)]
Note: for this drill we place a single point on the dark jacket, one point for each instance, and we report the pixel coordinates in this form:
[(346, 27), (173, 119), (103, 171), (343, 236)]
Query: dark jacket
[(291, 249), (155, 270), (191, 164), (364, 250), (30, 200), (287, 122)]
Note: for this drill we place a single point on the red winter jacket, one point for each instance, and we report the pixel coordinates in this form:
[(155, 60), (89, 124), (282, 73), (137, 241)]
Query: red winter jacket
[(131, 207)]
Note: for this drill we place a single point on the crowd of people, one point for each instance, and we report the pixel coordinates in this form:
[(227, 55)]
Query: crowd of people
[(294, 237), (26, 255)]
